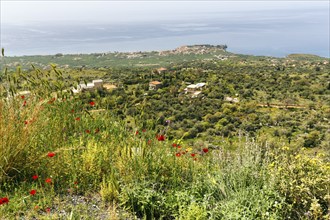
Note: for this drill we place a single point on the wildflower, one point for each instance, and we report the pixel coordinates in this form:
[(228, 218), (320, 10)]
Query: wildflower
[(51, 154), (36, 207), (24, 103), (35, 177), (77, 119), (88, 131), (22, 97), (205, 150), (179, 146), (4, 200), (195, 159), (174, 145), (72, 110), (136, 132), (149, 142), (178, 154), (48, 180), (193, 154), (92, 103), (144, 130), (33, 192), (26, 122), (51, 101), (75, 182), (161, 138), (48, 210)]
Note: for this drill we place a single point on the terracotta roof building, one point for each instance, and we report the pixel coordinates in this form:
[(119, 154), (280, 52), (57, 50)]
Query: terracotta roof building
[(154, 85)]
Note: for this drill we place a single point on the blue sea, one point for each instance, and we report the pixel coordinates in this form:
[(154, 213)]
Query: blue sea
[(259, 33)]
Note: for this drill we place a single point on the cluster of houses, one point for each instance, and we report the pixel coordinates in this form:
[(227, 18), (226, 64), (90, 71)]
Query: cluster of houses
[(89, 87), (192, 90)]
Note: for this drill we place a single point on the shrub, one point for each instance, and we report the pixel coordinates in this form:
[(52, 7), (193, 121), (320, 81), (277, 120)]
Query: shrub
[(304, 182)]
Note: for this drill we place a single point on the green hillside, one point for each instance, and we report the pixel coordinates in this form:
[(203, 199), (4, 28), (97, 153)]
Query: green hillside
[(192, 133)]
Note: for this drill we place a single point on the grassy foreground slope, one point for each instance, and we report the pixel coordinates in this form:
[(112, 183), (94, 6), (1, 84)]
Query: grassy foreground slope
[(64, 151)]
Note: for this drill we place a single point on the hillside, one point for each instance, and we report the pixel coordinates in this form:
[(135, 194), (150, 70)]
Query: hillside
[(121, 59), (191, 133)]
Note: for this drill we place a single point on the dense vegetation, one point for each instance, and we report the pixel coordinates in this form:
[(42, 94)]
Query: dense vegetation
[(134, 153)]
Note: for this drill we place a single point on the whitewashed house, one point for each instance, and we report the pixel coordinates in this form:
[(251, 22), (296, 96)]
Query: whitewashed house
[(98, 83)]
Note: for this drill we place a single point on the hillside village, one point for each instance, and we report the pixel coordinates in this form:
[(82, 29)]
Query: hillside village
[(157, 59)]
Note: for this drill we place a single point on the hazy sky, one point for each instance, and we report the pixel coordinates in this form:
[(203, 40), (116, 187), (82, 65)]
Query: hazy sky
[(24, 12)]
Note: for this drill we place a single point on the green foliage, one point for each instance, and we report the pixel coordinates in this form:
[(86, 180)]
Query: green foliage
[(304, 181), (227, 161)]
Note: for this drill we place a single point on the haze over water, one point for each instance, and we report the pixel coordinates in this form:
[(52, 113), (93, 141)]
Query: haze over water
[(272, 31)]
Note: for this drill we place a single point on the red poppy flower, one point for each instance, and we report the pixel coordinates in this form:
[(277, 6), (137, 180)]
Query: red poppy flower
[(26, 122), (35, 177), (174, 145), (22, 97), (144, 130), (92, 103), (77, 119), (48, 210), (33, 192), (88, 131), (72, 110), (24, 103), (48, 180), (4, 200), (136, 132), (193, 154), (51, 154), (75, 182), (179, 146), (51, 101), (205, 150), (178, 154), (161, 138)]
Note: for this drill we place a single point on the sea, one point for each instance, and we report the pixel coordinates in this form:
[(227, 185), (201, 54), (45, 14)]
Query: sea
[(254, 34)]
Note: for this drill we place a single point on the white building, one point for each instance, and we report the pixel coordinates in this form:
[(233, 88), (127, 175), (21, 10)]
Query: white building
[(194, 87), (98, 83)]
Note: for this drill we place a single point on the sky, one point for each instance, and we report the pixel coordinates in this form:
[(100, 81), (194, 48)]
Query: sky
[(25, 12)]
